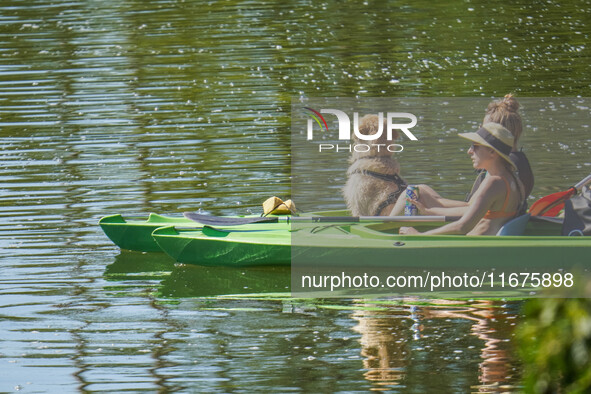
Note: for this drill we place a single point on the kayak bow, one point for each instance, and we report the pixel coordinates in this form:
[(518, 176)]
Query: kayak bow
[(136, 233)]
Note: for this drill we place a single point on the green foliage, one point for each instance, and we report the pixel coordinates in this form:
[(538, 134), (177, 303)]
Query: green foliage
[(555, 343)]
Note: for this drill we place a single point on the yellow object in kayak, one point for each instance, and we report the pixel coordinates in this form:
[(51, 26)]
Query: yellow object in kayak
[(276, 206)]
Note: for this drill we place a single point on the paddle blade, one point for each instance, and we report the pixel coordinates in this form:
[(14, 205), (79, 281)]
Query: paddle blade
[(555, 210), (228, 221), (551, 204)]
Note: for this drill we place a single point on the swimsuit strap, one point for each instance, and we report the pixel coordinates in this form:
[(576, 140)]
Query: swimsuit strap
[(507, 195)]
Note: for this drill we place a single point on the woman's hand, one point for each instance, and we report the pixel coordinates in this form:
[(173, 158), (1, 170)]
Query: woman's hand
[(421, 207), (408, 231)]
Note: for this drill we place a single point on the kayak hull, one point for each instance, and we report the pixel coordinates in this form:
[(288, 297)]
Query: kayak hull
[(212, 247), (360, 246)]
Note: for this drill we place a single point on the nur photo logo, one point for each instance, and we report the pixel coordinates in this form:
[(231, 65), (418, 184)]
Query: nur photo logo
[(392, 121)]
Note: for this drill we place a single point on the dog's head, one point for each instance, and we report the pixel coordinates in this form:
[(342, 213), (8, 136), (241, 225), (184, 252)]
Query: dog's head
[(370, 125)]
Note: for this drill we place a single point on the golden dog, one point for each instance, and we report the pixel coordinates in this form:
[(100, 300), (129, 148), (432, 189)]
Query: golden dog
[(373, 183)]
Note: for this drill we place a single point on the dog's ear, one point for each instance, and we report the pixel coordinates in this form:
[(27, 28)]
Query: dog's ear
[(384, 137), (369, 125)]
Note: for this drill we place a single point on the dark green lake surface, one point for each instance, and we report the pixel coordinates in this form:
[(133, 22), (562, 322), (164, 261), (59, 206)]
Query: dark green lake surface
[(167, 106)]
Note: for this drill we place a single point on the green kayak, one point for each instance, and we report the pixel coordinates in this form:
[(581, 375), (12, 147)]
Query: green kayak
[(375, 244), (133, 233)]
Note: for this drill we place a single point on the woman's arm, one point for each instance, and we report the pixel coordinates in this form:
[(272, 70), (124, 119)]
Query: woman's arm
[(451, 210), (423, 209), (447, 203), (431, 204), (441, 211), (432, 199), (491, 189)]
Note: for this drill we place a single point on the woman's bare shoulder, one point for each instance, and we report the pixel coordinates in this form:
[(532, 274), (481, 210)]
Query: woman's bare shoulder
[(491, 180), (492, 185)]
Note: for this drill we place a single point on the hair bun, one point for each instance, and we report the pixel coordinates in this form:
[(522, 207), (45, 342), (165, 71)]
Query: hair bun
[(505, 112), (507, 103), (510, 103)]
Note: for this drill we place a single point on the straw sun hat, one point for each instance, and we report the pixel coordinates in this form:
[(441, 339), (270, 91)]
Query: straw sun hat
[(495, 137)]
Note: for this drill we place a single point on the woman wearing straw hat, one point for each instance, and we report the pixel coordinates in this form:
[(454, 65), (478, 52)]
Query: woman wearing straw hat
[(505, 112), (498, 198)]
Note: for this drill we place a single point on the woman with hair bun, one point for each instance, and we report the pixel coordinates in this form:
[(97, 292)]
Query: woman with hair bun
[(504, 112), (500, 195)]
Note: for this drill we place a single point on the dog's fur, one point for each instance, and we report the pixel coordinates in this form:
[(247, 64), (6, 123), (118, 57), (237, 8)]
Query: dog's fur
[(365, 193)]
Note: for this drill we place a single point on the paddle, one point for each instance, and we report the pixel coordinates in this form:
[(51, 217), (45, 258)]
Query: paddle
[(553, 203), (232, 221), (227, 221)]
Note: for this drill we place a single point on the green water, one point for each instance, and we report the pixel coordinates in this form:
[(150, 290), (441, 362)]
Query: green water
[(166, 106)]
